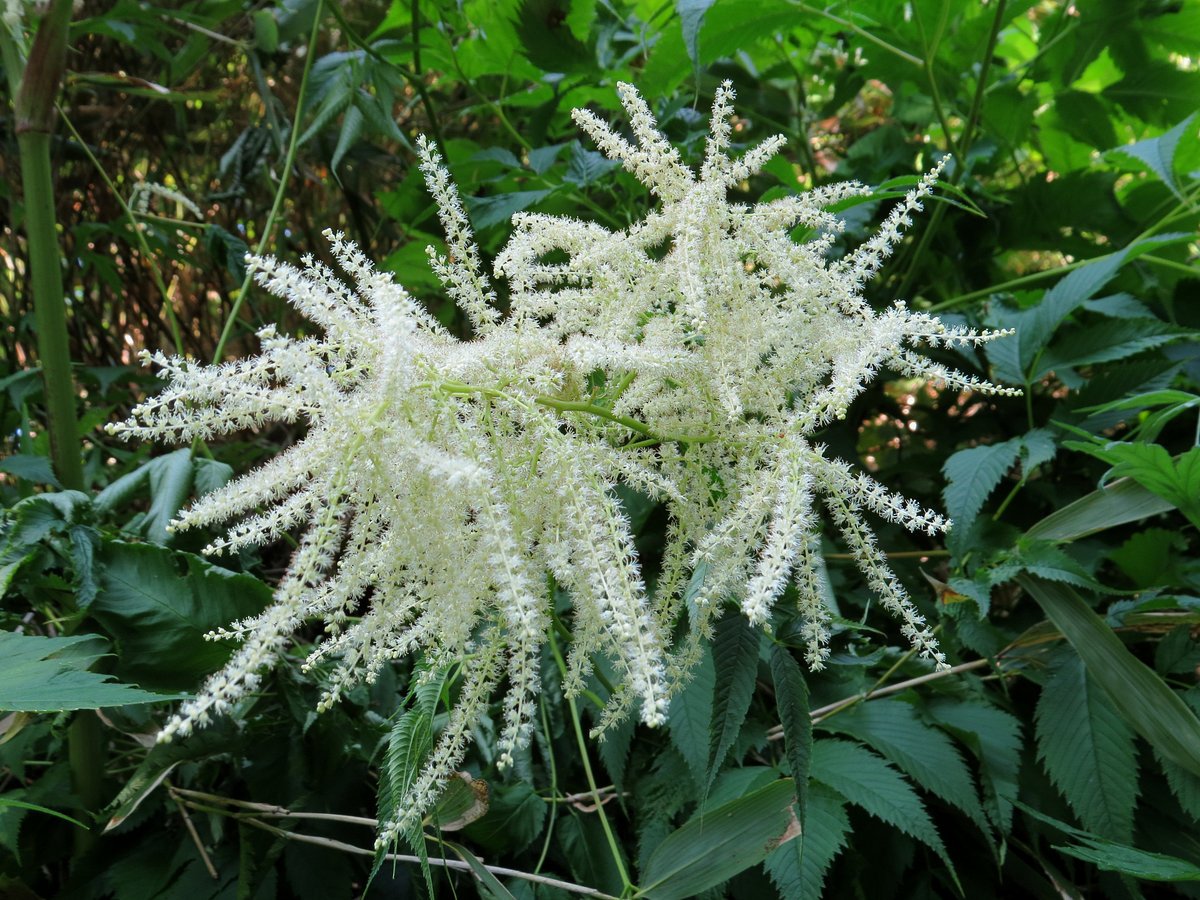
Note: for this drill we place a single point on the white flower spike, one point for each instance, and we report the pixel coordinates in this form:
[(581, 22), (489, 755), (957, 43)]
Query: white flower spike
[(440, 481)]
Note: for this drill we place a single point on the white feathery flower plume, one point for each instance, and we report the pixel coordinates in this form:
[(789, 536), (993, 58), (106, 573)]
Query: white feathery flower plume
[(440, 481)]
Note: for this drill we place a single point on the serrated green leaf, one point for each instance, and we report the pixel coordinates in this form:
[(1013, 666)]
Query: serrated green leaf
[(735, 664), (159, 604), (217, 738), (1176, 480), (1119, 306), (1044, 560), (994, 737), (333, 104), (718, 844), (1037, 448), (1107, 341), (1088, 751), (32, 468), (1158, 153), (867, 781), (791, 700), (1138, 695), (689, 718), (1111, 856), (488, 211), (972, 474), (923, 752), (40, 674), (43, 514), (586, 167), (798, 868)]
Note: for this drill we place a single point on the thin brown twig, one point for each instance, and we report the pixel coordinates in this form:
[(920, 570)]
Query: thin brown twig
[(191, 828), (432, 860), (823, 712)]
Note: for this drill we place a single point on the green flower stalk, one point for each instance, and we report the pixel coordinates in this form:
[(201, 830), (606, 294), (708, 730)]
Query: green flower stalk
[(440, 480)]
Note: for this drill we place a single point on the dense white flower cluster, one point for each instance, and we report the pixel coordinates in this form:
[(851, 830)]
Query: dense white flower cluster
[(692, 356)]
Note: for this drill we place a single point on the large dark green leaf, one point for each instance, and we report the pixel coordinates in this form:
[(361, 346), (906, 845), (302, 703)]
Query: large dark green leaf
[(798, 868), (994, 736), (1088, 750), (972, 474), (735, 660), (867, 781), (45, 674), (922, 751), (791, 699), (690, 718), (159, 604), (714, 846), (1151, 708)]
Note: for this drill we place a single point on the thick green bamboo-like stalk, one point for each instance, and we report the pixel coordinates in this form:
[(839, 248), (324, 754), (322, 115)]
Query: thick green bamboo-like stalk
[(34, 119), (34, 109)]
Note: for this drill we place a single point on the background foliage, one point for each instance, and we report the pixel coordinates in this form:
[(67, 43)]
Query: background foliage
[(1061, 754)]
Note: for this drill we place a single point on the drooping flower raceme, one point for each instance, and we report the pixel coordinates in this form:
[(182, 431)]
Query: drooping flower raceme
[(693, 356)]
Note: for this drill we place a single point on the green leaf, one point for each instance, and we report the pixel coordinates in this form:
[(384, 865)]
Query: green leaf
[(351, 131), (735, 661), (1115, 504), (718, 844), (489, 884), (1105, 342), (170, 484), (488, 211), (691, 19), (1159, 153), (1044, 560), (1138, 695), (36, 517), (586, 167), (1088, 751), (33, 468), (994, 737), (1150, 465), (972, 474), (867, 781), (1111, 856), (219, 737), (690, 718), (159, 604), (798, 868), (1037, 448), (409, 744), (19, 804), (266, 31), (49, 674), (791, 700), (923, 752)]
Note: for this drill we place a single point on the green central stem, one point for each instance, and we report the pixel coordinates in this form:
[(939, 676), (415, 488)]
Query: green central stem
[(579, 406), (613, 846)]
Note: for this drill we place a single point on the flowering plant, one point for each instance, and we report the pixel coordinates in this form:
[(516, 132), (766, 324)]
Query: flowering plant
[(441, 481)]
